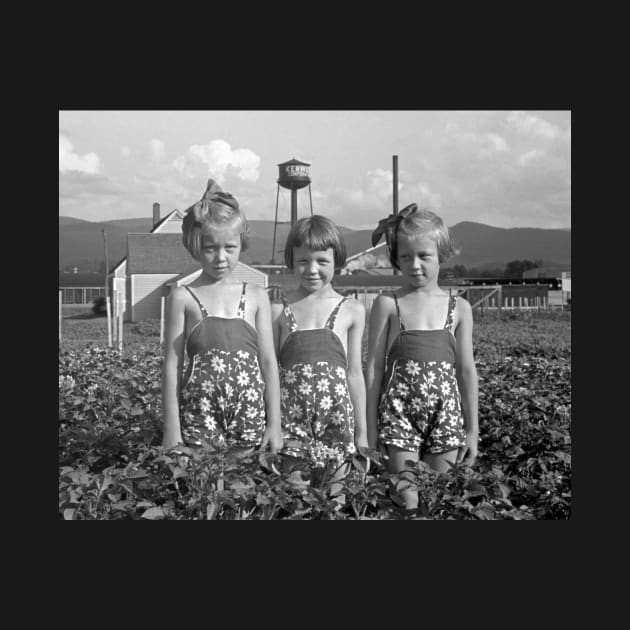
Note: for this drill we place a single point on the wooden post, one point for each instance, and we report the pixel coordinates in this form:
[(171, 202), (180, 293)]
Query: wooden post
[(114, 322), (395, 192), (500, 300), (60, 300), (120, 323), (108, 306), (106, 263), (161, 320)]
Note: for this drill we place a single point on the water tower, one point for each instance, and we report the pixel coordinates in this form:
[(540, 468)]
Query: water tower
[(292, 175)]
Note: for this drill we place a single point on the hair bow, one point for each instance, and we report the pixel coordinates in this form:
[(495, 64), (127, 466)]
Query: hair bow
[(388, 225), (214, 194)]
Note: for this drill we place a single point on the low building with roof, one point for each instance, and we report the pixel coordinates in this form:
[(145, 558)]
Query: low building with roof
[(80, 289)]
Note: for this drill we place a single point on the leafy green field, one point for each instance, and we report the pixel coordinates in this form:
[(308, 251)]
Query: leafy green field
[(111, 465)]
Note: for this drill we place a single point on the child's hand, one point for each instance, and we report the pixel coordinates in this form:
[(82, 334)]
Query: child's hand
[(467, 454), (272, 438)]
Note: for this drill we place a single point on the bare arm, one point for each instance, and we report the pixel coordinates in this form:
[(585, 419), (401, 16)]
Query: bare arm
[(174, 332), (356, 380), (269, 370), (276, 322), (467, 382), (377, 343)]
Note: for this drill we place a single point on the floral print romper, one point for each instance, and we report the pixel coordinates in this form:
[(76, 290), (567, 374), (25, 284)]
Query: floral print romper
[(222, 397), (317, 413), (420, 407)]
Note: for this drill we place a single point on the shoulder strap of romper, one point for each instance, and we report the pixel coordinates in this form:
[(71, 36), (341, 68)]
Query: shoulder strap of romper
[(400, 323), (204, 312), (288, 314), (451, 309), (241, 303), (330, 322)]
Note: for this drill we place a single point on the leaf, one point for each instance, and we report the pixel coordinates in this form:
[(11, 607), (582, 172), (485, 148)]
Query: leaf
[(261, 499), (295, 478), (505, 490), (154, 513), (239, 487), (484, 512), (211, 510), (138, 474), (68, 514)]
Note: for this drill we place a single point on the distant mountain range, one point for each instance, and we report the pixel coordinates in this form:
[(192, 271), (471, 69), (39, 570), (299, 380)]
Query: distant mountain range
[(482, 246)]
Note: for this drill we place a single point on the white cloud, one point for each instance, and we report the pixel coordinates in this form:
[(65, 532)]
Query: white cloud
[(76, 184), (362, 205), (529, 124), (214, 159), (499, 143), (158, 151), (528, 156), (69, 160), (125, 152), (381, 182)]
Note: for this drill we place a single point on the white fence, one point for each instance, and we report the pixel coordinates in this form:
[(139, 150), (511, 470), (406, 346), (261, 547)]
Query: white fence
[(554, 300)]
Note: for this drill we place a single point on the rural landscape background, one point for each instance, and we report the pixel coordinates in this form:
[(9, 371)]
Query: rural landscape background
[(500, 179)]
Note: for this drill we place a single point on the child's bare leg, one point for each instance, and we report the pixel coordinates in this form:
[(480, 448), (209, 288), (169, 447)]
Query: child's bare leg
[(440, 461), (397, 458)]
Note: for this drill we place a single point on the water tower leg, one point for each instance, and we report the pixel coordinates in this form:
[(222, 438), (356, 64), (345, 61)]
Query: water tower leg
[(293, 206), (275, 227)]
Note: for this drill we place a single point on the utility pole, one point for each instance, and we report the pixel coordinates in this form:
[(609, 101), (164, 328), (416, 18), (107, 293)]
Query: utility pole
[(395, 191), (106, 265)]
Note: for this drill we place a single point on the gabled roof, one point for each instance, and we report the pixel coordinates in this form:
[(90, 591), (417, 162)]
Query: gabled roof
[(155, 229), (157, 253), (158, 226)]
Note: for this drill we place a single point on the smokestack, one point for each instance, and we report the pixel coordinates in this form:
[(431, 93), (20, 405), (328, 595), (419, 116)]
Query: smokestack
[(156, 214)]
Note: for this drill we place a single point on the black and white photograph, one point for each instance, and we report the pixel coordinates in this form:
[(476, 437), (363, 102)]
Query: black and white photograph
[(314, 314)]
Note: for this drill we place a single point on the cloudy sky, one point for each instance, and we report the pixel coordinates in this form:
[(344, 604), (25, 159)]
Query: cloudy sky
[(502, 168)]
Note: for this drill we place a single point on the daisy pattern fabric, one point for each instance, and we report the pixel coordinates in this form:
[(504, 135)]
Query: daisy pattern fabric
[(222, 398), (224, 402), (420, 408), (317, 413), (318, 418)]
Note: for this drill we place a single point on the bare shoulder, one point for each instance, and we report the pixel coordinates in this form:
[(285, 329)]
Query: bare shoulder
[(355, 311), (462, 306), (179, 296), (384, 303), (462, 312), (355, 308)]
